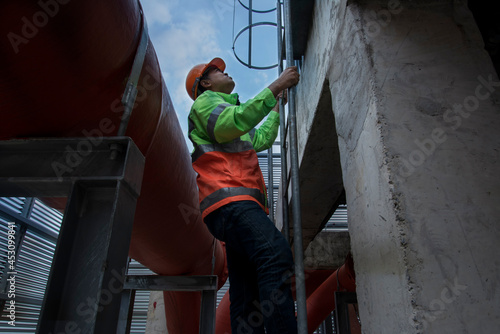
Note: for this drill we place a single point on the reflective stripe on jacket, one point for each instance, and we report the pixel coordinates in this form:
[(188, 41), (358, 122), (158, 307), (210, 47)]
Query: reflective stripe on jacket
[(225, 145)]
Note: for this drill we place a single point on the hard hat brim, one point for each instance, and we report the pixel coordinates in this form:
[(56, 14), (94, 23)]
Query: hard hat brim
[(216, 62)]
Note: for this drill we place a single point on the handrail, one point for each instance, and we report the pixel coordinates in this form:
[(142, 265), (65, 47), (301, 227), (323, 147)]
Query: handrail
[(283, 128), (296, 209)]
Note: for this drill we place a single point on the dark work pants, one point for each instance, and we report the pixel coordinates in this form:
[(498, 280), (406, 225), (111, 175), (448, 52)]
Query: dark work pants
[(260, 267)]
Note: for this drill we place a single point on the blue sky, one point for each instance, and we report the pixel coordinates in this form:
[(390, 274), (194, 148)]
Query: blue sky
[(188, 32)]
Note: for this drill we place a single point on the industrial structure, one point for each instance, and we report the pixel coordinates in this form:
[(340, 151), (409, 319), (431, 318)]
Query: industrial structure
[(395, 118)]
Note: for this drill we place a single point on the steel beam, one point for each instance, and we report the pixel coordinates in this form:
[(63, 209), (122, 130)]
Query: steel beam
[(50, 167), (207, 311), (206, 284), (171, 283), (86, 279), (126, 312)]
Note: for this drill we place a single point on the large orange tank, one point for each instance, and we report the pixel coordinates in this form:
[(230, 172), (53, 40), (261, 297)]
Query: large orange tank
[(63, 69)]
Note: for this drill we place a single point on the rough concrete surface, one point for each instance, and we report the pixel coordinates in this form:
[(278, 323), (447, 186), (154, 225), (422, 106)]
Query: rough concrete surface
[(328, 250), (416, 106), (320, 171)]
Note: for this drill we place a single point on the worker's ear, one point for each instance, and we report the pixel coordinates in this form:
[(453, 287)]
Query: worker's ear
[(206, 83)]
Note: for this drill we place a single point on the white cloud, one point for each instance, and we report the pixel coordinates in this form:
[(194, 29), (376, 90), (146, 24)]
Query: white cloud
[(182, 38), (184, 44), (192, 32), (158, 12)]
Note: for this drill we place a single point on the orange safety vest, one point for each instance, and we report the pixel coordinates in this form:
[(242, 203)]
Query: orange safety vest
[(225, 145)]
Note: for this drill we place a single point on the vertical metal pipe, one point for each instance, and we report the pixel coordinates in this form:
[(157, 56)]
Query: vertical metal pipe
[(283, 148), (294, 160), (270, 184), (250, 10)]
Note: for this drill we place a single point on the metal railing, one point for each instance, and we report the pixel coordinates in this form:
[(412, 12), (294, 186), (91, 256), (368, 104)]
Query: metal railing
[(294, 164), (294, 172)]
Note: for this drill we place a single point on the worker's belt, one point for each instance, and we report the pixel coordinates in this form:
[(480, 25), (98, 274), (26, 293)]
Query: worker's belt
[(223, 193)]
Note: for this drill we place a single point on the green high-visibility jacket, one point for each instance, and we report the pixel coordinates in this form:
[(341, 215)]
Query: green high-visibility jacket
[(225, 144)]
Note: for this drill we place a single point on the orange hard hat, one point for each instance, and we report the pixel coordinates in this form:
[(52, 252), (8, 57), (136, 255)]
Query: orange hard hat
[(194, 76)]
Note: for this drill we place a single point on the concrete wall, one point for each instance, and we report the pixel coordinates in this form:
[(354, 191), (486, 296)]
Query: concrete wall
[(416, 106), (328, 250), (320, 173), (157, 323)]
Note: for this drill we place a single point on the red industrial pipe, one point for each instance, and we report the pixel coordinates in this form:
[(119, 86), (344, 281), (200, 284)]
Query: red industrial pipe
[(222, 316), (321, 302), (63, 69), (313, 280)]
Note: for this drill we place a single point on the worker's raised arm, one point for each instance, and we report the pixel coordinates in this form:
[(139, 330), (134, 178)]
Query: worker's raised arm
[(235, 121), (216, 116), (264, 137), (221, 121)]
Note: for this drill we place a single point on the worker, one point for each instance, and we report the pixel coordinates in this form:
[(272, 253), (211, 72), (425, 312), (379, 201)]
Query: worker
[(233, 200)]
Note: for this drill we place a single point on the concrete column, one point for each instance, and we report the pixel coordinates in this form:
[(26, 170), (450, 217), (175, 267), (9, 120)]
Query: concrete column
[(417, 111), (157, 323)]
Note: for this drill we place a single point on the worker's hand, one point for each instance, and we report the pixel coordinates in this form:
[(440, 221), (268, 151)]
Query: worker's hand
[(288, 78), (283, 95)]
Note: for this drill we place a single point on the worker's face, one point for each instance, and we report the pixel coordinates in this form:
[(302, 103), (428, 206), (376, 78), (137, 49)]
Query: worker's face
[(219, 81)]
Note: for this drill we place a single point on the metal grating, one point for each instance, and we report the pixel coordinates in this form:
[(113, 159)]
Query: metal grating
[(3, 249), (264, 166), (141, 301), (14, 203), (33, 261), (26, 319), (222, 291), (140, 313), (33, 265), (338, 221), (47, 217)]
